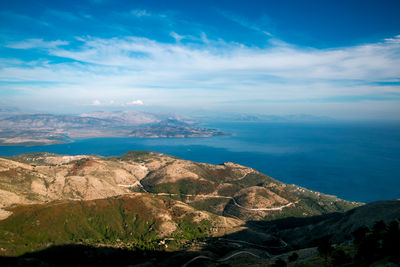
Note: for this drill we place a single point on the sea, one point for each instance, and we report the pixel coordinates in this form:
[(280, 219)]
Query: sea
[(357, 161)]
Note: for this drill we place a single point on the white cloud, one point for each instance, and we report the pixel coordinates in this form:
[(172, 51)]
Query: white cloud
[(209, 73), (135, 102), (366, 62), (267, 33), (140, 13), (96, 103), (176, 36), (36, 43)]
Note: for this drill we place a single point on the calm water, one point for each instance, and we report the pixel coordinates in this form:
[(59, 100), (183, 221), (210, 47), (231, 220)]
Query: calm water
[(355, 161)]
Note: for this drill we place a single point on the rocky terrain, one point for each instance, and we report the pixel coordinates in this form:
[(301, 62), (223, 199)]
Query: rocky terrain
[(227, 189), (145, 205)]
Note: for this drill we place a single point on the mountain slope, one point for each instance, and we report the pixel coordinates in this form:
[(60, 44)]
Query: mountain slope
[(141, 228), (138, 220), (153, 203), (336, 227), (229, 189)]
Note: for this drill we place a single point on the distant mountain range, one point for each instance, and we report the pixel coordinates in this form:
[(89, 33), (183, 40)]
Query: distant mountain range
[(264, 117), (38, 129), (154, 209), (18, 128), (174, 128)]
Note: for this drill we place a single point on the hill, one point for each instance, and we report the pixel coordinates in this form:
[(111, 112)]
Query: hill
[(229, 189), (140, 221), (144, 230), (143, 205), (39, 129)]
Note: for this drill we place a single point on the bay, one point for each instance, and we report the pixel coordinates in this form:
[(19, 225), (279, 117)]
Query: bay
[(354, 161)]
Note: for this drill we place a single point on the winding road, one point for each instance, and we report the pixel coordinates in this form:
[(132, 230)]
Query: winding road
[(262, 209), (234, 201), (222, 259)]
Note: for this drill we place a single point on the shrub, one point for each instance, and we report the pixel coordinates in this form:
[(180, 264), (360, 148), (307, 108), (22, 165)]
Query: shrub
[(293, 257)]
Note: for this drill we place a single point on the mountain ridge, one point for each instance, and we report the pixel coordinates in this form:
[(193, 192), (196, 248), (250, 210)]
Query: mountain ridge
[(145, 203), (42, 129), (234, 189)]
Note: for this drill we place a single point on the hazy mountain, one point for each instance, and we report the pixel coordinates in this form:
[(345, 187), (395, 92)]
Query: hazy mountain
[(50, 121), (174, 128), (38, 129), (264, 117), (6, 111), (126, 117)]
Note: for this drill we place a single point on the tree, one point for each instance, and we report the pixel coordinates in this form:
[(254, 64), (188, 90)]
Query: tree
[(324, 248), (391, 241), (279, 263), (379, 229), (359, 234), (339, 257), (293, 257), (368, 250)]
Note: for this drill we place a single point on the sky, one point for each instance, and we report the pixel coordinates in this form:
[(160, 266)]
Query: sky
[(330, 58)]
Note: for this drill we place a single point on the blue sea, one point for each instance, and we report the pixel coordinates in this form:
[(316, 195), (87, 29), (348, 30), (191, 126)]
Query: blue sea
[(354, 161)]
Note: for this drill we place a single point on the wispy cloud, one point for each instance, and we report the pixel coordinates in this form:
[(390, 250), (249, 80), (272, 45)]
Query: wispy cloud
[(244, 22), (369, 62), (176, 36), (36, 43), (140, 13), (208, 73)]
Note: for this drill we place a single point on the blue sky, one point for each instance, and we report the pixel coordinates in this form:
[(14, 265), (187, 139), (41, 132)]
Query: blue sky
[(336, 58)]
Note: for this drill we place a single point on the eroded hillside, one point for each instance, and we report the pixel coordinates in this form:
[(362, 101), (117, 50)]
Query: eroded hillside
[(228, 189), (135, 220), (147, 206)]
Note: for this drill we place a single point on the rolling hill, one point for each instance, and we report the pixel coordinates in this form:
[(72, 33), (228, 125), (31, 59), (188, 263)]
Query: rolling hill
[(145, 203)]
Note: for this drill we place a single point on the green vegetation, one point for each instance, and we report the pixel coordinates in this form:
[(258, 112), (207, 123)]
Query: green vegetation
[(147, 222), (86, 255), (142, 156), (211, 174), (254, 179), (293, 257), (136, 155), (18, 180), (183, 186), (378, 245), (127, 221), (189, 230), (210, 204), (381, 242), (229, 190), (33, 158)]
